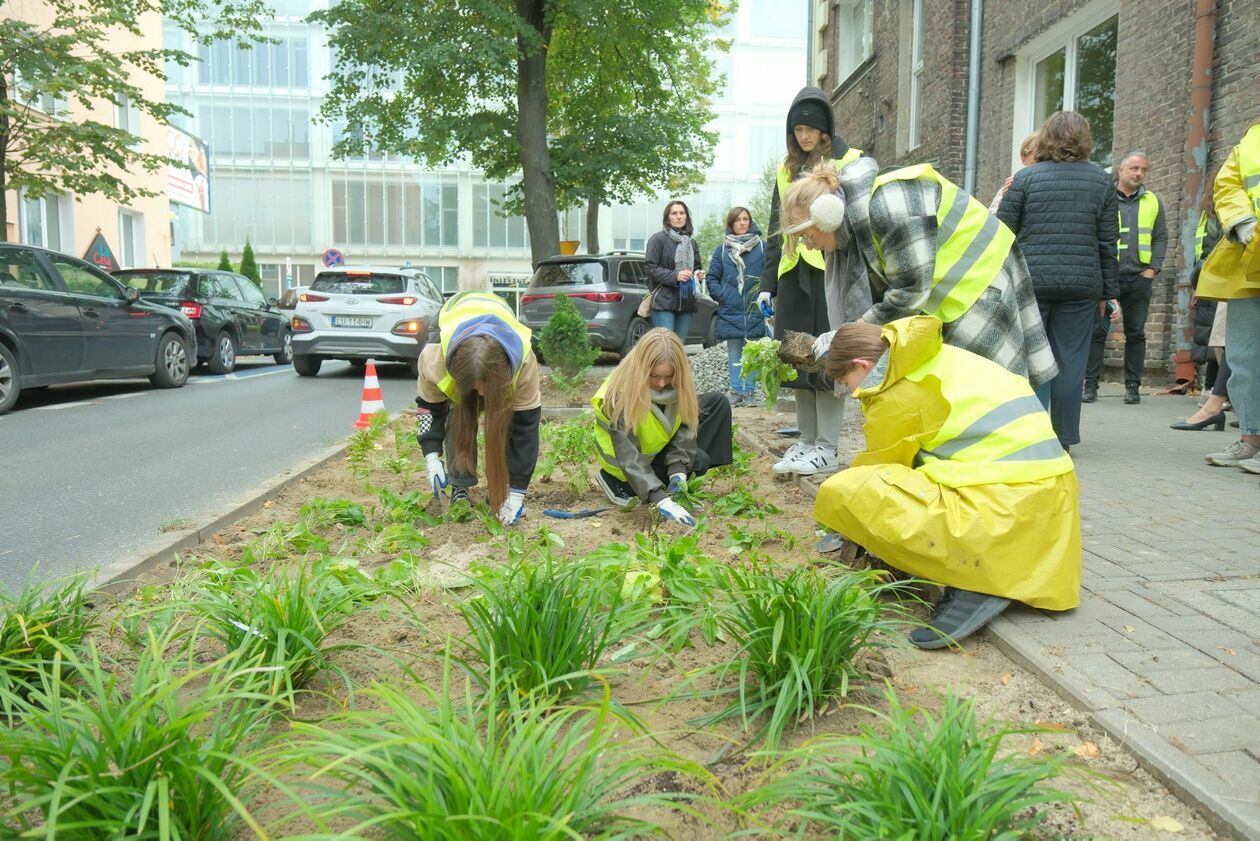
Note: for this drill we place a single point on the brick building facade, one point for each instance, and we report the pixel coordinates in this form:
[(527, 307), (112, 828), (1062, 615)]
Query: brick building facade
[(883, 60)]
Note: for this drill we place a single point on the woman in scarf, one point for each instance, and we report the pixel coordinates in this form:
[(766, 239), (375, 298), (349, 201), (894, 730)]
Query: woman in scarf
[(673, 264), (734, 281)]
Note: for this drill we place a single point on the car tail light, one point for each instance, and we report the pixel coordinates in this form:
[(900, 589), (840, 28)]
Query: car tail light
[(192, 309), (401, 300), (529, 299), (410, 327), (310, 297), (597, 297), (301, 325)]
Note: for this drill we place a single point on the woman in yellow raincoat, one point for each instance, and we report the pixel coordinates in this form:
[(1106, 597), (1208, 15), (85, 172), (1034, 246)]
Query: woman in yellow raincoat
[(963, 481)]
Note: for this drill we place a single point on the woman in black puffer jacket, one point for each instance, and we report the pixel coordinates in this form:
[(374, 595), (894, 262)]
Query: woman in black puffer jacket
[(1063, 212)]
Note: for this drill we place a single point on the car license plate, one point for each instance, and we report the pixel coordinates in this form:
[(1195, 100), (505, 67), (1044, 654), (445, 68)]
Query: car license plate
[(351, 321)]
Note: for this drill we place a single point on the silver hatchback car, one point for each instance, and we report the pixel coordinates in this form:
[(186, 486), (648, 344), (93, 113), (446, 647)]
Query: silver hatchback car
[(607, 289), (361, 312)]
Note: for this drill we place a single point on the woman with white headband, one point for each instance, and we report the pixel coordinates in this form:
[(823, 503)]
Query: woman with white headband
[(929, 249)]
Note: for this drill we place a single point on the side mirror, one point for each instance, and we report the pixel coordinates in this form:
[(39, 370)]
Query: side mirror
[(131, 294)]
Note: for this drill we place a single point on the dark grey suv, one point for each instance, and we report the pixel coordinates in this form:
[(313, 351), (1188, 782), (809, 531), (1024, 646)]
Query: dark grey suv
[(607, 289)]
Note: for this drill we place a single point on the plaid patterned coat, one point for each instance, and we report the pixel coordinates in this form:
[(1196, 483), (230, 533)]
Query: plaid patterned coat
[(1003, 325)]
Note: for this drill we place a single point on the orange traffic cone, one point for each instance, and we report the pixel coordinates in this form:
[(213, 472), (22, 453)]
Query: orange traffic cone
[(372, 402)]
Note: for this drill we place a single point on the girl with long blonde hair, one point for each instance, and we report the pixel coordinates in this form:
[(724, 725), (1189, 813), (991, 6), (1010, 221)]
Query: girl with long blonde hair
[(653, 431), (482, 366)]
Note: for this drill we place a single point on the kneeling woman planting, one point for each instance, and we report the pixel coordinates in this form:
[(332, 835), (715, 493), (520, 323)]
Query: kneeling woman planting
[(963, 481), (652, 431), (484, 364)]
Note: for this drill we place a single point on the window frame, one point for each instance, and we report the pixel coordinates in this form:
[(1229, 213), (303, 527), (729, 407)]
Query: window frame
[(844, 9), (131, 243), (914, 129)]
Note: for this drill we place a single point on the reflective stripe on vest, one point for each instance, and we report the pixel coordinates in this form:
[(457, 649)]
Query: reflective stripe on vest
[(812, 255), (1247, 154), (1148, 212), (651, 434), (971, 245), (997, 430), (469, 304)]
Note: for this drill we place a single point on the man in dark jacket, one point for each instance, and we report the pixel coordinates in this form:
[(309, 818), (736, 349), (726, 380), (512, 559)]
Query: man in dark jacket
[(1140, 249)]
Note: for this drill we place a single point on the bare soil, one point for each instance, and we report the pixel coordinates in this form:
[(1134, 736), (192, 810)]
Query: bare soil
[(797, 349), (411, 631)]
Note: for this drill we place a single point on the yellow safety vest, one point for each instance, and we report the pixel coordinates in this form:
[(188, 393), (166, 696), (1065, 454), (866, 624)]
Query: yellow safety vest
[(971, 245), (997, 431), (470, 304), (1199, 233), (651, 433), (1148, 212), (812, 255), (1248, 152)]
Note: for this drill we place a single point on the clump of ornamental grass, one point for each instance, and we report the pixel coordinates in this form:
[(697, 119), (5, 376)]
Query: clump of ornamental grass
[(800, 636), (279, 620), (468, 766), (545, 625), (162, 754), (34, 621), (916, 776)]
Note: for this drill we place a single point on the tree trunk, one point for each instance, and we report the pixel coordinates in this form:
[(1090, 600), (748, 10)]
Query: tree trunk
[(537, 182), (592, 225), (4, 145)]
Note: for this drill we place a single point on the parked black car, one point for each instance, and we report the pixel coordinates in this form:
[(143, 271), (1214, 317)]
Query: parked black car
[(63, 320), (232, 316), (607, 289)]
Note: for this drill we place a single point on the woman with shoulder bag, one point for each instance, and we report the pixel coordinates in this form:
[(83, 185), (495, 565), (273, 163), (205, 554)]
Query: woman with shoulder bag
[(673, 265)]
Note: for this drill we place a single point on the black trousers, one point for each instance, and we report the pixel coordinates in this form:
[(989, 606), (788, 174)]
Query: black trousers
[(1135, 305), (1221, 387), (522, 452), (713, 438)]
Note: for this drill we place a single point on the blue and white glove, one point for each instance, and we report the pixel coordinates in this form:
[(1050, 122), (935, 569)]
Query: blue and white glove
[(437, 473), (677, 482), (764, 304), (513, 508), (671, 510), (823, 344)]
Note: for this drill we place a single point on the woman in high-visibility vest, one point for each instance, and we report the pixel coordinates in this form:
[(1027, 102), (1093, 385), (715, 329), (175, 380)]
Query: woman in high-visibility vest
[(963, 481), (792, 283), (652, 431), (483, 365), (930, 249)]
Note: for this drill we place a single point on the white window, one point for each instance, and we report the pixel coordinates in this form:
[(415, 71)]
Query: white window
[(28, 94), (1072, 67), (915, 117), (127, 115), (853, 36), (46, 222), (446, 278), (130, 239)]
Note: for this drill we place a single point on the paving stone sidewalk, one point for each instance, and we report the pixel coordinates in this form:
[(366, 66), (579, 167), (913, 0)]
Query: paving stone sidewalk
[(1164, 651)]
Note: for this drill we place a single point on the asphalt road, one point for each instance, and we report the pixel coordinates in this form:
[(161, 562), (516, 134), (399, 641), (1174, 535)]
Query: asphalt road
[(89, 472)]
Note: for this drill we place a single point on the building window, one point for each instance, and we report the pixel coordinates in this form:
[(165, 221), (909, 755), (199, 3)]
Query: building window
[(127, 115), (370, 212), (130, 239), (490, 230), (853, 42), (446, 277), (915, 117), (1076, 71), (44, 220)]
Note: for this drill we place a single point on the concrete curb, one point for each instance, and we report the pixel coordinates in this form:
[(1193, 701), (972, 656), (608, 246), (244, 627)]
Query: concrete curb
[(1171, 767), (119, 576)]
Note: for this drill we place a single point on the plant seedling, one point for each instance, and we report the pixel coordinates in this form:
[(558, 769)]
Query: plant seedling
[(761, 357)]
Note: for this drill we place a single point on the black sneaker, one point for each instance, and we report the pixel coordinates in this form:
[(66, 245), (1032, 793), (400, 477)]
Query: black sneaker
[(619, 492), (1090, 393), (1131, 395), (459, 494), (958, 615)]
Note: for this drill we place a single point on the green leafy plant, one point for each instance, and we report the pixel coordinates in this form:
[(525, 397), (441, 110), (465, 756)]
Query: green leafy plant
[(544, 625), (692, 494), (140, 755), (799, 637), (402, 540), (457, 766), (565, 344), (747, 541), (915, 777), (365, 443), (225, 264), (761, 357), (570, 446), (320, 513), (35, 622), (742, 503), (409, 507), (249, 265)]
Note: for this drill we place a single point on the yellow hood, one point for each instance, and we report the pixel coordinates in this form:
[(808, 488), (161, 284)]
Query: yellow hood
[(911, 342)]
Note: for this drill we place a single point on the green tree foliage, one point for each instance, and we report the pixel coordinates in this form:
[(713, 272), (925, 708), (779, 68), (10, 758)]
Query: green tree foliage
[(583, 99), (72, 59), (249, 266), (566, 345), (224, 263)]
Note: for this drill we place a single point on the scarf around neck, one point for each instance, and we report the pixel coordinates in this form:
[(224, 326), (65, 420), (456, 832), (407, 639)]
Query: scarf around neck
[(737, 245), (682, 249)]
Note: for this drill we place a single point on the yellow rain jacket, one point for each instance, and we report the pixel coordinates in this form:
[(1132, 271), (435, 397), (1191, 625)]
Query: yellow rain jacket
[(1232, 270), (963, 481)]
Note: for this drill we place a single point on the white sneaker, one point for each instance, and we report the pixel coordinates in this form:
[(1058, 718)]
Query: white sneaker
[(819, 459), (784, 465)]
